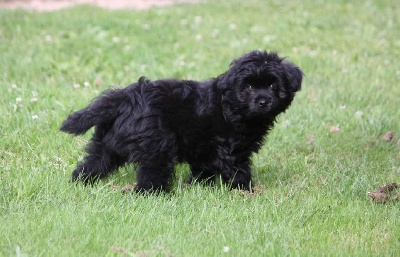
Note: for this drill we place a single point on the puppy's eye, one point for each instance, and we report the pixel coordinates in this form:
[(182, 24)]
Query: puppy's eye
[(272, 86), (249, 87)]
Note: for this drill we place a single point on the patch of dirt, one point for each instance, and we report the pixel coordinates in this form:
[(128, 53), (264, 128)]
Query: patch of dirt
[(257, 190), (125, 189), (51, 5), (128, 188), (388, 137), (385, 193)]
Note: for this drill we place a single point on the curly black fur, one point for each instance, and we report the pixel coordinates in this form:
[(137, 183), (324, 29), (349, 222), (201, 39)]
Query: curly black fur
[(213, 125)]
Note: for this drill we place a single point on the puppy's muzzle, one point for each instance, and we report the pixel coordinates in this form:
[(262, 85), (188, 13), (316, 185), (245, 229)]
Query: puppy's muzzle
[(263, 103)]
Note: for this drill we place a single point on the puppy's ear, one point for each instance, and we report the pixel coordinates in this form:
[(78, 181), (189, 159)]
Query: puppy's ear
[(226, 80), (293, 76), (238, 68)]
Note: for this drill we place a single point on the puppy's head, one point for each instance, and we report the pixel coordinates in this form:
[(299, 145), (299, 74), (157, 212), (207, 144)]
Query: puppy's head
[(260, 84)]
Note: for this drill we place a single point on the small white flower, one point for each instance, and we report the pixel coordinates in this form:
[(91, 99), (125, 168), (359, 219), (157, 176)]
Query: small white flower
[(215, 32), (116, 39), (232, 26), (285, 123), (342, 107), (358, 114), (34, 117), (14, 86), (18, 99), (48, 38), (146, 26), (34, 99), (77, 86), (226, 249), (86, 84), (269, 38), (184, 22), (313, 53), (198, 19), (198, 37)]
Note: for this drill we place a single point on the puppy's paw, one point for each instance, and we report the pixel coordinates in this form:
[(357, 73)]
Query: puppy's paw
[(80, 175)]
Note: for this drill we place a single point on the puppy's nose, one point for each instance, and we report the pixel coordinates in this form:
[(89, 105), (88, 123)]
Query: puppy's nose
[(262, 103)]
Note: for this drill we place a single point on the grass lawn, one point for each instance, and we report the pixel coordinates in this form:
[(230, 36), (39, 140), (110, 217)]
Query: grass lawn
[(313, 174)]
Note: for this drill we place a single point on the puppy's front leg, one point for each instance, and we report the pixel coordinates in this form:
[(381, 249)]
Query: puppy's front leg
[(201, 172), (237, 175)]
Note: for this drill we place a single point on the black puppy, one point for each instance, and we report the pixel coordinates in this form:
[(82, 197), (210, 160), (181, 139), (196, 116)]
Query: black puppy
[(213, 125)]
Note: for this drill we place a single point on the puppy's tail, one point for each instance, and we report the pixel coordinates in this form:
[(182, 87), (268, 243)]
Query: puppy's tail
[(103, 110)]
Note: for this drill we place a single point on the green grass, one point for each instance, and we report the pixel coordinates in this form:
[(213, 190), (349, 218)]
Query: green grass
[(314, 202)]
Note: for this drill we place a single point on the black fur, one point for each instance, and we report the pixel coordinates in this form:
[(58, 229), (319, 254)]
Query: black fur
[(213, 125)]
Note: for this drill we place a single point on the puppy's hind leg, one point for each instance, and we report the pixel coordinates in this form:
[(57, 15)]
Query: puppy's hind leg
[(155, 174), (98, 163)]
